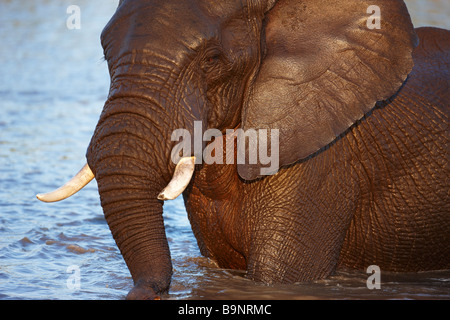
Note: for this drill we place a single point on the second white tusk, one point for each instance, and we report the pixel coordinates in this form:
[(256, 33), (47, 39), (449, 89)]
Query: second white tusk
[(180, 180), (74, 185)]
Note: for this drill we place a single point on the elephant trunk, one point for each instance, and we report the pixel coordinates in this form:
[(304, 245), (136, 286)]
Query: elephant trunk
[(134, 216), (130, 176), (130, 157)]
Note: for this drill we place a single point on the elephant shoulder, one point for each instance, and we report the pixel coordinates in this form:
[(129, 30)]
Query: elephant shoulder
[(433, 48), (430, 77)]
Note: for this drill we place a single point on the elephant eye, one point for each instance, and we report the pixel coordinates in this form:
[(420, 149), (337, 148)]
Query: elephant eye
[(211, 60), (214, 59)]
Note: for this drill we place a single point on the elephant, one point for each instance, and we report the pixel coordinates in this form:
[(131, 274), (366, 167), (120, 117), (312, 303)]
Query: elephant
[(361, 115)]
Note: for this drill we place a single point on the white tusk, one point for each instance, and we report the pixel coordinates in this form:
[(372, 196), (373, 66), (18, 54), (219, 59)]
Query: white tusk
[(75, 184), (180, 180)]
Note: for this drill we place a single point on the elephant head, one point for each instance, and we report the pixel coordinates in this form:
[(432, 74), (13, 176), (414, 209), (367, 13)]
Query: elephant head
[(308, 68)]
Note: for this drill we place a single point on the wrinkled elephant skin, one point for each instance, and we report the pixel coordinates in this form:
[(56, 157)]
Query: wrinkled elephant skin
[(362, 117)]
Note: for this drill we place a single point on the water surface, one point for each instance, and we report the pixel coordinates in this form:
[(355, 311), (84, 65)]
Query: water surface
[(52, 88)]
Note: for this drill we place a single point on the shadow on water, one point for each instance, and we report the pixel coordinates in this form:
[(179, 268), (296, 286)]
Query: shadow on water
[(52, 88)]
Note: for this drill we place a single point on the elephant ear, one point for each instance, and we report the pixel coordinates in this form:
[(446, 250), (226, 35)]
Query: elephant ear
[(327, 63)]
